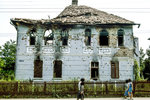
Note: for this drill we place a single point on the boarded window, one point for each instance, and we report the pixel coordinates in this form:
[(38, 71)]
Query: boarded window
[(87, 37), (32, 36), (57, 69), (114, 69), (38, 67), (103, 38), (120, 37), (64, 37), (94, 70), (48, 37)]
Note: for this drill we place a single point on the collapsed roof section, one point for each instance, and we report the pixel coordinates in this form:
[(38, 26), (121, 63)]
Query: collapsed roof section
[(15, 21)]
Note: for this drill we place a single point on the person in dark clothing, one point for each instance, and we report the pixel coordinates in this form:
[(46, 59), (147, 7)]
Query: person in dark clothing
[(81, 89)]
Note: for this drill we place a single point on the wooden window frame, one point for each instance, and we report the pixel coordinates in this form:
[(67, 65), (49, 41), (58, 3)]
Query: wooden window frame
[(114, 69), (95, 67)]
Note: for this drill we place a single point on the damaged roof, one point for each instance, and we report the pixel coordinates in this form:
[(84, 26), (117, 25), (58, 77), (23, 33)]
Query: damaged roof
[(75, 14), (87, 15), (29, 21)]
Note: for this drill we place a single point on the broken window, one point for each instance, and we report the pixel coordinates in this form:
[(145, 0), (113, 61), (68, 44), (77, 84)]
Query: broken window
[(38, 64), (114, 69), (57, 69), (32, 36), (64, 37), (103, 38), (48, 37), (120, 37), (94, 70), (87, 37)]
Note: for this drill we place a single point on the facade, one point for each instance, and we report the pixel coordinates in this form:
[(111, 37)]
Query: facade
[(81, 42)]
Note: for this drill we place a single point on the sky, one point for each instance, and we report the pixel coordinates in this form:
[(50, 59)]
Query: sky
[(134, 10)]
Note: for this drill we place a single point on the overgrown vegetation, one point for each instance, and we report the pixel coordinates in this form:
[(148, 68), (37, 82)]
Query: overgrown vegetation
[(137, 71), (68, 89), (7, 60), (146, 71)]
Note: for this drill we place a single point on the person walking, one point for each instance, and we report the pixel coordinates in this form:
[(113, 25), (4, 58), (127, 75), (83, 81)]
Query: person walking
[(130, 89), (126, 89), (81, 89)]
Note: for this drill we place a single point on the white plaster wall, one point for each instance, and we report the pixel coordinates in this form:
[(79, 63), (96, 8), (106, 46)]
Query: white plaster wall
[(76, 62)]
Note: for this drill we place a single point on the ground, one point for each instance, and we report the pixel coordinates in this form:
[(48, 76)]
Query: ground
[(144, 98)]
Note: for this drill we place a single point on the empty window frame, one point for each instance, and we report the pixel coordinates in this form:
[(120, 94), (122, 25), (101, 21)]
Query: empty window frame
[(48, 37), (57, 69), (87, 37), (32, 37), (64, 37), (94, 70), (120, 37), (103, 38), (114, 69), (38, 67)]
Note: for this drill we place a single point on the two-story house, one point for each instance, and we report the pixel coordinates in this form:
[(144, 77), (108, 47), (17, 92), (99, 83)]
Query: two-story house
[(81, 42)]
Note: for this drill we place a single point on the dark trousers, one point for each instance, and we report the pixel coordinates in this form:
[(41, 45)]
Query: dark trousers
[(80, 96)]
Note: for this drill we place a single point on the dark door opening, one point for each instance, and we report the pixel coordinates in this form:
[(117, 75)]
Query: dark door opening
[(38, 64), (57, 69)]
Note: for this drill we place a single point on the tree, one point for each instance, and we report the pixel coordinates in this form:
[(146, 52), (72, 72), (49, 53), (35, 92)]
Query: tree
[(142, 65), (146, 71), (136, 71), (7, 55)]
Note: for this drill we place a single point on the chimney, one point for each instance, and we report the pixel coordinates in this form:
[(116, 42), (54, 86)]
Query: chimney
[(74, 2)]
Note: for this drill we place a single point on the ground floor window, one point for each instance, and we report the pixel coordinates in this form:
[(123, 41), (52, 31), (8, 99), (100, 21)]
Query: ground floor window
[(57, 69), (94, 70), (114, 69), (38, 67)]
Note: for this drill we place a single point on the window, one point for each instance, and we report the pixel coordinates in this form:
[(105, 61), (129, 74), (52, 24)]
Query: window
[(87, 37), (103, 38), (48, 37), (114, 69), (38, 64), (64, 37), (57, 69), (94, 70), (120, 37), (32, 36)]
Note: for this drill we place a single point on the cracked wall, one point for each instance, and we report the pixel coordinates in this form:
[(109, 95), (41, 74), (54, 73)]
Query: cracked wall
[(76, 57)]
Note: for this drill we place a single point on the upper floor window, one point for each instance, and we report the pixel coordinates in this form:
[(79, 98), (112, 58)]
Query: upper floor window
[(120, 37), (32, 36), (87, 37), (48, 37), (64, 37), (103, 38)]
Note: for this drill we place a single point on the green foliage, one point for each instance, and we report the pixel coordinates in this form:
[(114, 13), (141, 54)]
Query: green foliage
[(142, 65), (7, 62), (136, 71), (146, 71)]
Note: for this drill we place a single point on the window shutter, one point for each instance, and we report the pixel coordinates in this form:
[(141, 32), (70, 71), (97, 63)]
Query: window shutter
[(112, 70), (117, 69)]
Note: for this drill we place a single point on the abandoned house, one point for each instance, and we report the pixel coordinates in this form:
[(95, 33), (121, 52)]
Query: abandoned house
[(81, 42)]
